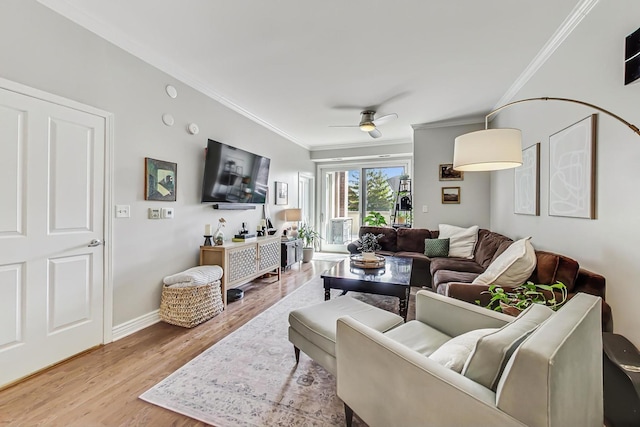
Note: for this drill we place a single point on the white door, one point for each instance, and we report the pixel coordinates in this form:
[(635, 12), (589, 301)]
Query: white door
[(51, 209)]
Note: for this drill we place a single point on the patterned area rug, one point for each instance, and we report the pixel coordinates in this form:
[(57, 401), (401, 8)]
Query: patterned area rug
[(250, 378)]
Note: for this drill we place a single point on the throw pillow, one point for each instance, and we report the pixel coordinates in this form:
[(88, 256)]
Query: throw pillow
[(453, 353), (512, 267), (462, 241), (492, 351), (436, 247)]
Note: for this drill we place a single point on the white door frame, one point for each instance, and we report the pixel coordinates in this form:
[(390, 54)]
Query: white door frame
[(107, 335)]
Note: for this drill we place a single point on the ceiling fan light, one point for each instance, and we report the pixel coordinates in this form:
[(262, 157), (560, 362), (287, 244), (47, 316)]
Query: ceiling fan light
[(367, 127)]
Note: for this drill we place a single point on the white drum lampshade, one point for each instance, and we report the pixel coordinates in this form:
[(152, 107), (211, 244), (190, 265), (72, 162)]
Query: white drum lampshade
[(488, 150)]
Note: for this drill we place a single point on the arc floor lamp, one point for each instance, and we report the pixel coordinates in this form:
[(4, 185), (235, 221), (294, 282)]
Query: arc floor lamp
[(497, 149)]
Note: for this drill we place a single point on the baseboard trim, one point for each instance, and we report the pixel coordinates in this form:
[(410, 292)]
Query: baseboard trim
[(134, 325)]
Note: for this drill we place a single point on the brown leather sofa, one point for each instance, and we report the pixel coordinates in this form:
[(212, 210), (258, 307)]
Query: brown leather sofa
[(453, 276)]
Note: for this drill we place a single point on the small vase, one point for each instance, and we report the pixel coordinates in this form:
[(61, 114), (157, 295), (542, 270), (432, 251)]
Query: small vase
[(369, 256), (218, 237), (510, 310)]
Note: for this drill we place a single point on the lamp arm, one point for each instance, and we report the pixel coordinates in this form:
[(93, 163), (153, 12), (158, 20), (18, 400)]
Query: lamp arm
[(546, 98)]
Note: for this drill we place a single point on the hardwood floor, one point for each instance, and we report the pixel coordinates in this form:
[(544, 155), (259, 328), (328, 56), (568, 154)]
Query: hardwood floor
[(101, 387)]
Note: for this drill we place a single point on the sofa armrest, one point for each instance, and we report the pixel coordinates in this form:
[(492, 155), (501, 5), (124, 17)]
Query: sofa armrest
[(386, 383), (454, 317)]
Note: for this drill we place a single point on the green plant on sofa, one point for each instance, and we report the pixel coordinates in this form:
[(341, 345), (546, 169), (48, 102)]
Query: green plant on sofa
[(522, 296), (374, 219)]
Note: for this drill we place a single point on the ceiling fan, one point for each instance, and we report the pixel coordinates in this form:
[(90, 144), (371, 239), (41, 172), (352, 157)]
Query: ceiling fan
[(368, 123)]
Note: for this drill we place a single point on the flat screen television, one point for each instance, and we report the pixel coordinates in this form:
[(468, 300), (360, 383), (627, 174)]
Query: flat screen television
[(233, 175)]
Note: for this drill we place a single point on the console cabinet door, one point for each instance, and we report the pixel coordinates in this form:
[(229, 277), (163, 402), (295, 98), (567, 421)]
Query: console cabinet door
[(269, 255), (242, 263)]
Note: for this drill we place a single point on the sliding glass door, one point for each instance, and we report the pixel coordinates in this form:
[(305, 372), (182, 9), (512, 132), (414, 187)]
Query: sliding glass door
[(353, 195)]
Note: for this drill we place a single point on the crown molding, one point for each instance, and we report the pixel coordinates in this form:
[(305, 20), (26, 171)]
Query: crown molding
[(362, 144), (449, 123), (148, 55), (579, 12)]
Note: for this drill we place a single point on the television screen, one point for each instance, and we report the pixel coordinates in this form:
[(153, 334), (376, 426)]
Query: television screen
[(234, 175)]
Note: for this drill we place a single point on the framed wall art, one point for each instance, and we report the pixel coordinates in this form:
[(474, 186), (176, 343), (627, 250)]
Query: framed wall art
[(572, 170), (527, 182), (450, 195), (447, 173), (160, 180), (282, 193)]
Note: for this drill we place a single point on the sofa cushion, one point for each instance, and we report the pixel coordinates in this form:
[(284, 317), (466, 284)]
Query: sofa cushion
[(418, 337), (462, 241), (512, 268), (552, 268), (412, 239), (455, 264), (455, 352), (501, 248), (492, 352), (442, 277), (388, 241), (488, 243), (436, 247)]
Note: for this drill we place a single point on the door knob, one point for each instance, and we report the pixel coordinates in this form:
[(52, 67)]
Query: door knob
[(94, 243)]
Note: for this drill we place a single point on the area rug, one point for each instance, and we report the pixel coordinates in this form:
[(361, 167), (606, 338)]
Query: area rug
[(250, 377)]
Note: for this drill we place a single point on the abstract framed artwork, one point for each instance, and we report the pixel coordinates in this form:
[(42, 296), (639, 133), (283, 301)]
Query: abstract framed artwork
[(450, 195), (527, 182), (160, 180), (447, 173), (282, 193), (572, 170)]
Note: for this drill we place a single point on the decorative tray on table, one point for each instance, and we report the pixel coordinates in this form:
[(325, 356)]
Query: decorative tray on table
[(359, 261)]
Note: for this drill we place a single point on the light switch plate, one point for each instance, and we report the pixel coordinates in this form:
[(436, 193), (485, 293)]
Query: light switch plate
[(154, 213), (167, 213), (123, 211)]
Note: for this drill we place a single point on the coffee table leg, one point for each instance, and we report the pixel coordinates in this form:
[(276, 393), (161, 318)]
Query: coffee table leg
[(327, 294), (404, 305)]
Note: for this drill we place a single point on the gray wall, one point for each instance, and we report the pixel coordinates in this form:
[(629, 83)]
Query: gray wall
[(589, 67), (44, 50), (432, 147)]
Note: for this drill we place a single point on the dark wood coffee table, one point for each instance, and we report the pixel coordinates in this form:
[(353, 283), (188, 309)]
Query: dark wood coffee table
[(393, 280)]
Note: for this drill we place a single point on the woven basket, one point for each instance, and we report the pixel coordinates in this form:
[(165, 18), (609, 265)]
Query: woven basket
[(189, 306)]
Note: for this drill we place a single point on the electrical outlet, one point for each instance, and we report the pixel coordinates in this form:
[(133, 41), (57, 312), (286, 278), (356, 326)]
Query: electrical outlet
[(154, 213), (425, 209), (123, 211), (167, 213)]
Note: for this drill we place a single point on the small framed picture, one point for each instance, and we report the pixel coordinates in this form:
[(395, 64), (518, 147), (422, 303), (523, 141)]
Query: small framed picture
[(450, 195), (160, 180), (447, 173), (282, 193)]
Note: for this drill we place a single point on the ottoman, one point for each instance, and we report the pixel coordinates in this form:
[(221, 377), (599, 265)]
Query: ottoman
[(312, 329)]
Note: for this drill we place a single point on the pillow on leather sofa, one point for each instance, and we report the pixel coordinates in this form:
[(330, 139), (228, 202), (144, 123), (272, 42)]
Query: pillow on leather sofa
[(462, 241), (436, 247), (512, 268)]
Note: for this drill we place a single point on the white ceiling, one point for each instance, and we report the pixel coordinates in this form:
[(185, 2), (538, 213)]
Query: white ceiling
[(298, 67)]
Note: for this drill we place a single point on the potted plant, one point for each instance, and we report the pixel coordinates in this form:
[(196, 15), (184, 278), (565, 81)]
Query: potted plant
[(513, 300), (310, 239), (369, 245), (374, 219)]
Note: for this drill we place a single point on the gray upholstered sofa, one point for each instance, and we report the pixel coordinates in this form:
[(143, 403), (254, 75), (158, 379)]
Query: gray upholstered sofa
[(394, 378)]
